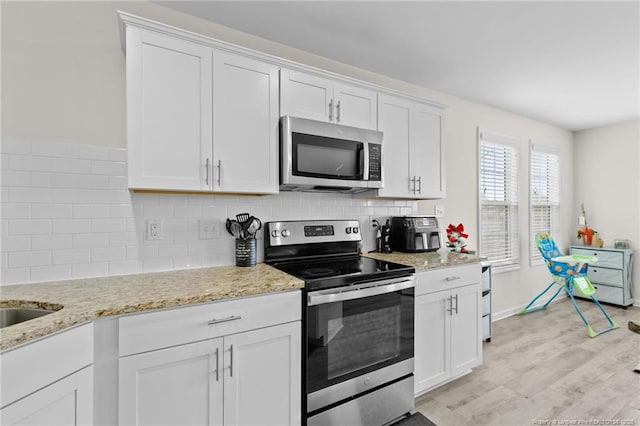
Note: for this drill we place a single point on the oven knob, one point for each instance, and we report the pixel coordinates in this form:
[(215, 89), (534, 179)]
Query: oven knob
[(355, 230), (348, 230), (275, 233), (285, 233)]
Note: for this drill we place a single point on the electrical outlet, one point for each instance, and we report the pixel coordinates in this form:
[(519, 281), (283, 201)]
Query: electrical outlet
[(209, 229), (439, 210), (154, 229), (581, 220)]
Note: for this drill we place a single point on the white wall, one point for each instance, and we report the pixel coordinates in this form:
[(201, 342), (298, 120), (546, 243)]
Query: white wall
[(607, 181), (63, 81)]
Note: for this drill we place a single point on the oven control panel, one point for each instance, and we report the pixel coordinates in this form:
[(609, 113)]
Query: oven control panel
[(304, 232)]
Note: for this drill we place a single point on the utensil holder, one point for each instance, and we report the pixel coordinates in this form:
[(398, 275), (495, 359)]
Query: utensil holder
[(246, 252)]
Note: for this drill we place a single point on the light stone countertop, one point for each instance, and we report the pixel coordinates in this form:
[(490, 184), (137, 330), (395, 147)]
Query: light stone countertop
[(83, 300), (427, 260)]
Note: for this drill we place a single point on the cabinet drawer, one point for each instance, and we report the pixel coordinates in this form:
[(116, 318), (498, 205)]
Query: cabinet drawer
[(607, 259), (155, 330), (447, 278), (605, 276), (605, 293)]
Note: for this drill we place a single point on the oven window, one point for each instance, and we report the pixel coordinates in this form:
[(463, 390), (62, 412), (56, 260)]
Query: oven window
[(322, 157), (349, 338)]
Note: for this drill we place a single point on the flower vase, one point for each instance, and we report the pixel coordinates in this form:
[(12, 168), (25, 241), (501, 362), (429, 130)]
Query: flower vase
[(587, 239)]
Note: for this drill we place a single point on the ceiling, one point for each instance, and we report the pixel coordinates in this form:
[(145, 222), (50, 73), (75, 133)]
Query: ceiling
[(574, 64)]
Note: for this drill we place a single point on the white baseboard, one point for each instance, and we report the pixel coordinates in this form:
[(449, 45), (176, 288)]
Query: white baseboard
[(497, 316)]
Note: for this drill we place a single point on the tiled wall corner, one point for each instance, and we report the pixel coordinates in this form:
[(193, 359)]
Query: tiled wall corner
[(66, 213)]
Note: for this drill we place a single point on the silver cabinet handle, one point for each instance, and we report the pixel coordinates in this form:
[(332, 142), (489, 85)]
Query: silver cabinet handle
[(219, 172), (412, 184), (217, 364), (456, 297), (450, 308), (231, 361), (206, 172), (452, 278), (227, 319), (338, 112), (419, 184), (331, 110)]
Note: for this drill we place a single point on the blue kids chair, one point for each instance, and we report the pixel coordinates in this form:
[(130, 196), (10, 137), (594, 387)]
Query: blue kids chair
[(568, 272)]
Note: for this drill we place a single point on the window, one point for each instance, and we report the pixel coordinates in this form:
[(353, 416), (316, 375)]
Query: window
[(544, 196), (498, 198)]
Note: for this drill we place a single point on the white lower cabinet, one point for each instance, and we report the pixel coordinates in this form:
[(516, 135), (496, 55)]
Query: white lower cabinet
[(448, 324), (252, 377), (68, 401), (49, 381)]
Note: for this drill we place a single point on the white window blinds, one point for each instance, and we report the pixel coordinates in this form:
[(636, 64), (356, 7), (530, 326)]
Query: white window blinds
[(544, 196), (499, 228)]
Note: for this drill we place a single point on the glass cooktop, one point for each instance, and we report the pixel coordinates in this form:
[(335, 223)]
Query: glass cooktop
[(336, 272)]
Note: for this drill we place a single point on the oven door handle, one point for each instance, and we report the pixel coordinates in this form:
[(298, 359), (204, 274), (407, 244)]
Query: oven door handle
[(359, 291)]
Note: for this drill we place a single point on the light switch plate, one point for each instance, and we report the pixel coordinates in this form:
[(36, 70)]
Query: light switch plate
[(581, 220), (439, 210), (209, 229)]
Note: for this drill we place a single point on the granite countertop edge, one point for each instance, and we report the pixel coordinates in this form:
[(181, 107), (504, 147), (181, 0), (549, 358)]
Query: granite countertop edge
[(427, 260), (80, 301)]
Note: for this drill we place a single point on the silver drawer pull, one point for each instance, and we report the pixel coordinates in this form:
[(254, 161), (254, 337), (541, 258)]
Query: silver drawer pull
[(453, 278), (227, 319)]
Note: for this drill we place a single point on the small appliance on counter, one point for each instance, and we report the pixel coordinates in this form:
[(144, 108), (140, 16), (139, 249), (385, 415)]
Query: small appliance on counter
[(413, 234)]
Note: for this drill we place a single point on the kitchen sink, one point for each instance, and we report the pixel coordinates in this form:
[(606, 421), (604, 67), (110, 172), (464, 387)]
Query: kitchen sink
[(11, 316)]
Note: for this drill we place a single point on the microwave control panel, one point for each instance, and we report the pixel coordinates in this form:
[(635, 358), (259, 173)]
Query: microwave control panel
[(375, 162)]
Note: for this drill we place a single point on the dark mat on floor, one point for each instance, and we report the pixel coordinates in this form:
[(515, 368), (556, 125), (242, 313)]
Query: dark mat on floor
[(416, 419)]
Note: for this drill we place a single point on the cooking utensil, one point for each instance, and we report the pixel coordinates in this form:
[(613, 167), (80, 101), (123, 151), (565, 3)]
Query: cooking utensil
[(234, 228), (242, 217), (254, 226)]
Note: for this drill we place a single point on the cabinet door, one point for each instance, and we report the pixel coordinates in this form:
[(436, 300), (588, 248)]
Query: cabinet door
[(68, 401), (262, 377), (466, 329), (168, 111), (432, 340), (306, 96), (394, 120), (355, 106), (245, 125), (428, 151), (175, 386)]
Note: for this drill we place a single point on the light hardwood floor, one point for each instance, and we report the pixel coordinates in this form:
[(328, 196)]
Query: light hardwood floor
[(542, 367)]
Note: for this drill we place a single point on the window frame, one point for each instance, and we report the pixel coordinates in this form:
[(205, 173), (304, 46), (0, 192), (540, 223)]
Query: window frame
[(555, 215), (511, 201)]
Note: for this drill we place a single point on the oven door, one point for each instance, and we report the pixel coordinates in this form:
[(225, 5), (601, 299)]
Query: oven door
[(358, 337)]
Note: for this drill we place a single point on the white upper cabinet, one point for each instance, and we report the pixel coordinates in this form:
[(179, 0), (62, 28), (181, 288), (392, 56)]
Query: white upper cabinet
[(199, 119), (413, 151), (309, 96), (169, 118), (245, 125)]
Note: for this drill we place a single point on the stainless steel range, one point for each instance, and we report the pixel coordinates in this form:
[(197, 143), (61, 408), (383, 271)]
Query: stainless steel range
[(358, 327)]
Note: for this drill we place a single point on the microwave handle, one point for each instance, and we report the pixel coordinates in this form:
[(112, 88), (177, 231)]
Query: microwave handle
[(364, 161)]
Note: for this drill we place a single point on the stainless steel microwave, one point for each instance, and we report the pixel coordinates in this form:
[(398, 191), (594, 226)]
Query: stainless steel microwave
[(327, 157)]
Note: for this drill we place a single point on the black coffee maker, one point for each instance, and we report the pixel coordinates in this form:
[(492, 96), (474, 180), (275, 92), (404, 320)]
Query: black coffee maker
[(412, 234)]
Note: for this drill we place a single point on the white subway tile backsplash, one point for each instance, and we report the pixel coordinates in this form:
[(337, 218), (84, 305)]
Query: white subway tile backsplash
[(77, 218), (51, 211), (71, 256), (89, 270), (108, 254), (125, 267), (51, 273), (50, 242), (15, 275), (91, 240), (29, 258), (15, 210), (29, 226), (71, 226), (16, 243)]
